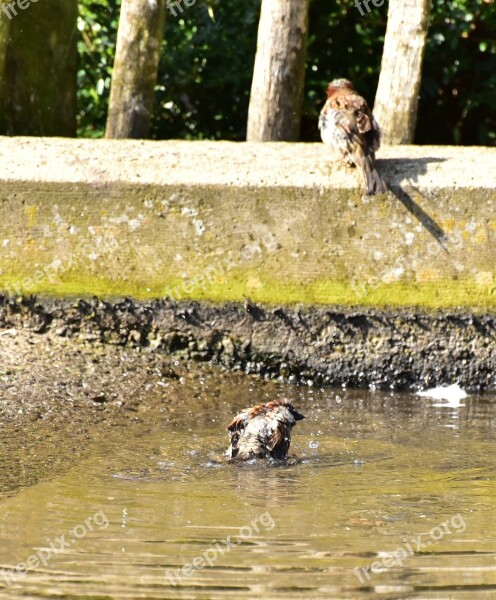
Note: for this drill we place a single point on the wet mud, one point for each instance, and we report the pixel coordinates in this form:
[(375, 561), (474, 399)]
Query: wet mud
[(396, 349), (59, 397)]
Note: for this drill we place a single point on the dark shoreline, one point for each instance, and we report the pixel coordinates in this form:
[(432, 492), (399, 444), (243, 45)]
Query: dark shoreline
[(387, 349)]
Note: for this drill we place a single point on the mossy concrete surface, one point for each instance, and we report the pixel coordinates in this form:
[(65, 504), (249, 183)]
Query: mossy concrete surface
[(220, 221)]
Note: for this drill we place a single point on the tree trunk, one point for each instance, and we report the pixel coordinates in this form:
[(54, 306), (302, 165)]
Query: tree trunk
[(4, 42), (396, 101), (279, 75), (38, 68), (135, 68)]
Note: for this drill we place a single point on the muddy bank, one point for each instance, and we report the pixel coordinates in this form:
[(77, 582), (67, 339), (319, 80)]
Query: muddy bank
[(395, 349), (61, 397)]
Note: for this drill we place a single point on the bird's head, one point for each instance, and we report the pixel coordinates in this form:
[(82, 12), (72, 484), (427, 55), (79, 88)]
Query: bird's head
[(284, 410), (277, 409), (338, 84)]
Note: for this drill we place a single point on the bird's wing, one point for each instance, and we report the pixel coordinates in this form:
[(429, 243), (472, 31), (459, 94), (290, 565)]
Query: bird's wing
[(279, 441), (235, 430), (361, 119), (346, 122), (356, 106)]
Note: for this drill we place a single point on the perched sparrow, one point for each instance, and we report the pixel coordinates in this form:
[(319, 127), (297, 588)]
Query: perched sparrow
[(262, 431), (346, 123)]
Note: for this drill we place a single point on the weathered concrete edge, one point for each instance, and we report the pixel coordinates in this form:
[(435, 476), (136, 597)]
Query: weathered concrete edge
[(238, 164), (154, 219), (280, 246), (338, 346)]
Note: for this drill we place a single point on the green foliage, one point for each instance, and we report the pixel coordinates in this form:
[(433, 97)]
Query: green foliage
[(458, 96), (208, 54), (205, 76), (97, 24)]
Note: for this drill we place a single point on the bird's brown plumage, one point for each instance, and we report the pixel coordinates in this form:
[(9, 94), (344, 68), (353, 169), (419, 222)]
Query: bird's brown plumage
[(263, 431), (346, 123)]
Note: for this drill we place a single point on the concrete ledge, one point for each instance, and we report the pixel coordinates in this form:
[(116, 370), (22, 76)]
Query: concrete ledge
[(274, 223)]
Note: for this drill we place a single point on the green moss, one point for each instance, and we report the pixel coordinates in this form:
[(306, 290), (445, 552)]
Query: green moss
[(448, 294), (283, 247)]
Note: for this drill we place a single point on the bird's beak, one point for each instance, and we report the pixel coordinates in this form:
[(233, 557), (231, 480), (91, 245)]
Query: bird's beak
[(297, 416)]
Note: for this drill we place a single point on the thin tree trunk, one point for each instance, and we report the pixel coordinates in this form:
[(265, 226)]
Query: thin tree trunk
[(396, 101), (38, 68), (279, 75), (135, 68)]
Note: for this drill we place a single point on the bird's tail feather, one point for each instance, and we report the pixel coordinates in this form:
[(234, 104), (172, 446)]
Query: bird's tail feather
[(374, 183)]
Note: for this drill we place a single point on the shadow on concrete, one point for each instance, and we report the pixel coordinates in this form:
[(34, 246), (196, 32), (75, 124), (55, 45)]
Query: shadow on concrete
[(428, 222), (411, 168)]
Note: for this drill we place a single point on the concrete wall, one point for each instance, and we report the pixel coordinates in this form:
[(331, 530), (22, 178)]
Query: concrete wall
[(221, 221)]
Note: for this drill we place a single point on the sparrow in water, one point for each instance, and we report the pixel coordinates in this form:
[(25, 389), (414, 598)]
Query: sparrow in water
[(346, 123), (263, 431)]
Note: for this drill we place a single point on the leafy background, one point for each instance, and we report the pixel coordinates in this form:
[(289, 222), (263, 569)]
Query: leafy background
[(208, 53)]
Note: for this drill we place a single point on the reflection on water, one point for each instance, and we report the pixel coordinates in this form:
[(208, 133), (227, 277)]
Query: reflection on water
[(390, 497)]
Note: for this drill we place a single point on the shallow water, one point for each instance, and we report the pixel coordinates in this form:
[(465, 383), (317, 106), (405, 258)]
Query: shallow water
[(374, 472)]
